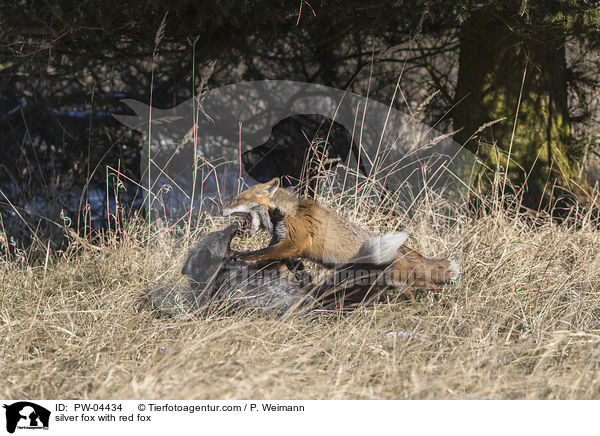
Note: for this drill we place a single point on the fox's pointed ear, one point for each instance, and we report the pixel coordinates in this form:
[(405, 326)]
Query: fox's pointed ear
[(272, 185)]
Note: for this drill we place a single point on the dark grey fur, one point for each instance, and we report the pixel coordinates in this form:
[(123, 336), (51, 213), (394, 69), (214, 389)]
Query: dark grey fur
[(221, 284), (351, 285)]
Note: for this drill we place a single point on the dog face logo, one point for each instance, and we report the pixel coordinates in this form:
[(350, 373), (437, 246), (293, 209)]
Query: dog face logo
[(26, 415), (256, 131)]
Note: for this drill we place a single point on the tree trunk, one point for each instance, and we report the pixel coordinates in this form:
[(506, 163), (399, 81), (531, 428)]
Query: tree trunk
[(495, 51)]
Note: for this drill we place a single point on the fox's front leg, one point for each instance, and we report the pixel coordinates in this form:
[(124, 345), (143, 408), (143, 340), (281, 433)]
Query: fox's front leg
[(281, 250)]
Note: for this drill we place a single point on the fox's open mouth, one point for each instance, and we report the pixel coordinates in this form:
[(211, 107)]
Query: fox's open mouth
[(255, 217), (250, 221)]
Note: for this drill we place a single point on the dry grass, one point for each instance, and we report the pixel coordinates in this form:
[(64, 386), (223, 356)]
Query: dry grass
[(523, 322)]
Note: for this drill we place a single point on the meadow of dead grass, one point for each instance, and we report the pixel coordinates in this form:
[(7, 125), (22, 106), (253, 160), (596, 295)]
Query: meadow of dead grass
[(523, 322)]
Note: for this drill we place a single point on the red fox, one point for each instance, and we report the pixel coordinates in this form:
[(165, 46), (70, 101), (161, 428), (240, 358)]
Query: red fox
[(300, 227)]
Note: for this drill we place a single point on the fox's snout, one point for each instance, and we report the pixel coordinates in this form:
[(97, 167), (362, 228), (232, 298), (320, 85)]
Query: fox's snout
[(230, 208), (235, 207)]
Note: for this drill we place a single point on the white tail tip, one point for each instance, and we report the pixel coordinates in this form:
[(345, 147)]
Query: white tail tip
[(454, 270), (381, 249)]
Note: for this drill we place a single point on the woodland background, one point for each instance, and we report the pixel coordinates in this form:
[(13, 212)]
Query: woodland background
[(65, 65)]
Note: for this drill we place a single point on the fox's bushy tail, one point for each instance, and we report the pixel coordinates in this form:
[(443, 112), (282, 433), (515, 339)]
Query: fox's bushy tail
[(443, 270), (389, 249), (380, 250)]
